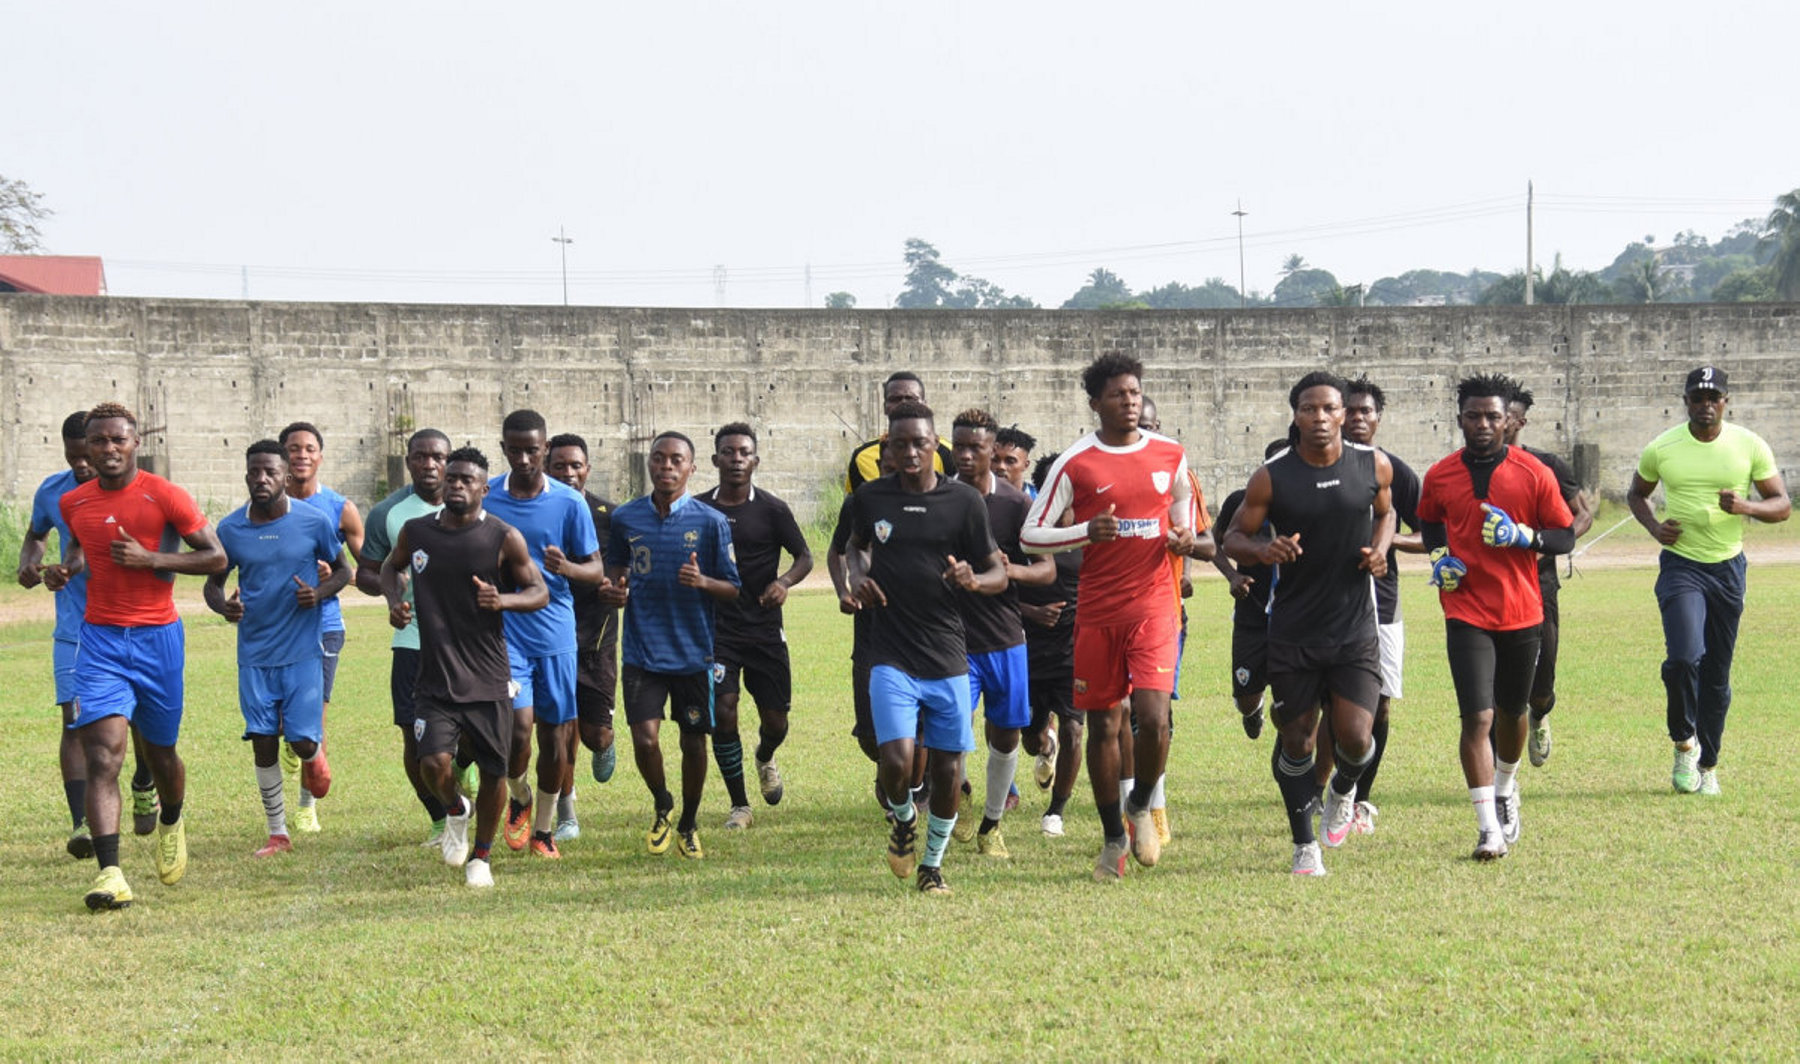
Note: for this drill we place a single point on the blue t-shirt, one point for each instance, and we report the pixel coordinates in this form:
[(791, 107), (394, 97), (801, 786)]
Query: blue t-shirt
[(268, 556), (668, 627), (71, 601), (331, 504), (558, 515)]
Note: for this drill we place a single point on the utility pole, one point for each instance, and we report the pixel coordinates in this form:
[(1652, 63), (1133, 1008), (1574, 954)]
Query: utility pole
[(808, 290), (565, 240), (1528, 299), (719, 284), (1240, 212)]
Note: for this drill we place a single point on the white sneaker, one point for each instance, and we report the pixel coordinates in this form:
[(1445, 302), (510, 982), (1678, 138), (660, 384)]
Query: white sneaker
[(477, 873), (1044, 771), (1146, 843), (1340, 809), (567, 830), (1686, 774), (1363, 823), (1539, 744), (1309, 860), (1507, 809), (738, 818), (1489, 846), (1053, 825), (455, 843), (1709, 782)]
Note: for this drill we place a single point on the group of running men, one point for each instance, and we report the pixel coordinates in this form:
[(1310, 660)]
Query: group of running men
[(506, 594)]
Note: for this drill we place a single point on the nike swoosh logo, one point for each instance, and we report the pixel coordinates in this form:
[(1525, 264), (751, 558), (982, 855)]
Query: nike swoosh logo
[(1103, 491)]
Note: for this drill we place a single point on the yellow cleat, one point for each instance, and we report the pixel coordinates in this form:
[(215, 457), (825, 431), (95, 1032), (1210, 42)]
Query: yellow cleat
[(658, 838), (687, 843), (1160, 817), (171, 851), (992, 844), (965, 818), (306, 818), (110, 891)]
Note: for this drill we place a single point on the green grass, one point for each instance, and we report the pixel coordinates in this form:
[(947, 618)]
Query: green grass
[(1629, 921)]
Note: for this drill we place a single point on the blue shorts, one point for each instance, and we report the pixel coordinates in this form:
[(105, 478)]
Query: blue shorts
[(285, 700), (546, 685), (1180, 651), (133, 673), (934, 711), (62, 659), (1001, 680), (331, 643)]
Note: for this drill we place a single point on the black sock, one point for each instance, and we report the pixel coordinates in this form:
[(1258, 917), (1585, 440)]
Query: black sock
[(689, 815), (171, 812), (1367, 779), (1111, 821), (1057, 802), (1140, 796), (464, 807), (728, 752), (988, 824), (665, 802), (433, 808), (1538, 714), (1298, 789), (106, 849), (75, 792), (142, 780), (769, 740)]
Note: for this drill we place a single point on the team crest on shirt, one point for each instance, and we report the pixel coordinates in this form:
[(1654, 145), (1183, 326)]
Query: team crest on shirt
[(1160, 480), (690, 539), (419, 560), (884, 529)]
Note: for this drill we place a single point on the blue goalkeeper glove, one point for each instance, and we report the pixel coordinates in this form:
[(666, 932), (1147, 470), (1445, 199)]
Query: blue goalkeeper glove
[(1446, 572), (1500, 530)]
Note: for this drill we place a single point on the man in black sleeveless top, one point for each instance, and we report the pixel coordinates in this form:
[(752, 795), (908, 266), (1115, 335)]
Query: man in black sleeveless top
[(457, 560), (1328, 504)]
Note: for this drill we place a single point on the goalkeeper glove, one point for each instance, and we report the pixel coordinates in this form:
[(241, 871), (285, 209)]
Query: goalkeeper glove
[(1500, 530), (1446, 572)]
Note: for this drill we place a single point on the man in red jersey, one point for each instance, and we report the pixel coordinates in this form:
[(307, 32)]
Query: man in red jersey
[(1129, 500), (129, 668), (1486, 513)]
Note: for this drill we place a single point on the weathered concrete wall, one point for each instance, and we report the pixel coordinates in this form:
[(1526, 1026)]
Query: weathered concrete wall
[(209, 377)]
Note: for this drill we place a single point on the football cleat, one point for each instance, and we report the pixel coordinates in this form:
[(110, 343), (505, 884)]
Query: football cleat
[(110, 891)]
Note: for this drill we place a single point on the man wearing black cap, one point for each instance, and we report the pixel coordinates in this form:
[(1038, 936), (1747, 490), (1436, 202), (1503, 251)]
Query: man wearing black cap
[(1706, 467)]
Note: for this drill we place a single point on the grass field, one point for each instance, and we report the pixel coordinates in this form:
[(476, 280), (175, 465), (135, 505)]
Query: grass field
[(1629, 922)]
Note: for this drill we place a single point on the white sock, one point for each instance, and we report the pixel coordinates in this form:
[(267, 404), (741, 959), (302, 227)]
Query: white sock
[(1126, 786), (1485, 817), (1158, 798), (543, 817), (518, 789), (268, 780), (1506, 774), (1000, 770)]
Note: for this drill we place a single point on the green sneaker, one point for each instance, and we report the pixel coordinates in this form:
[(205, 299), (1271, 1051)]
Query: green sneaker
[(1709, 782), (1686, 774), (81, 844), (171, 852), (605, 761), (144, 807), (436, 841), (469, 781), (306, 818), (110, 891)]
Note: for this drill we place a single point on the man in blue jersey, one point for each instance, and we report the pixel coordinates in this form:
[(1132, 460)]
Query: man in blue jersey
[(277, 548), (427, 453), (559, 533), (68, 582), (305, 447), (668, 559)]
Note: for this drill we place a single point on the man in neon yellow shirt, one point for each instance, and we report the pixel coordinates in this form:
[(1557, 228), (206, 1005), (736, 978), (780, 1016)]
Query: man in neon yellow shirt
[(1706, 467)]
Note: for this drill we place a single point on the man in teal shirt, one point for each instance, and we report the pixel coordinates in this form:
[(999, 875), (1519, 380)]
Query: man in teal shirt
[(1706, 467)]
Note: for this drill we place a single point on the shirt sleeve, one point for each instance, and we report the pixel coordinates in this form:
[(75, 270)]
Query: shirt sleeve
[(1041, 534), (1647, 464), (724, 560), (788, 530), (376, 544), (1553, 512), (1430, 508), (1201, 522), (42, 520), (978, 536), (1181, 498), (179, 509), (578, 529), (1762, 461), (617, 552), (1403, 492), (840, 535)]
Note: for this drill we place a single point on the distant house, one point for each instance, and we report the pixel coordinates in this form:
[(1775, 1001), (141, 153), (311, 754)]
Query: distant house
[(57, 275)]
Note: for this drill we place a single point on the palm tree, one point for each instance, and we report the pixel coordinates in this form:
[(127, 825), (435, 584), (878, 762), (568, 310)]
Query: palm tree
[(1782, 231), (1291, 265)]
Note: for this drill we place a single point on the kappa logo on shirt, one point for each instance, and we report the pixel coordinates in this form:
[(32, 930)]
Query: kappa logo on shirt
[(419, 559), (884, 529)]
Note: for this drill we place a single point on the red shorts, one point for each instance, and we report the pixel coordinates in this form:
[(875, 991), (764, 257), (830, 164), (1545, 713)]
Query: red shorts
[(1111, 660)]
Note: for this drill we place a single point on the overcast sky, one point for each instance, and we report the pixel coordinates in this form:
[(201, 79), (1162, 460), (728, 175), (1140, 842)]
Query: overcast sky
[(396, 151)]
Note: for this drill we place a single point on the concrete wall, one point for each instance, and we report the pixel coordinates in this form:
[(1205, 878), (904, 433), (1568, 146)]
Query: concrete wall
[(209, 377)]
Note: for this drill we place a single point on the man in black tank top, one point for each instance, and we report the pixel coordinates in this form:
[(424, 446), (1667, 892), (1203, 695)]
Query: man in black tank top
[(456, 561), (1328, 504)]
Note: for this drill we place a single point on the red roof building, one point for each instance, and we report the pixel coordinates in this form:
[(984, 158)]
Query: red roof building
[(57, 275)]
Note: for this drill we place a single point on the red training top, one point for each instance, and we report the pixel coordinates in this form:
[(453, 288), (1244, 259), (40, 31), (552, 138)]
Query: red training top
[(150, 510), (1500, 592)]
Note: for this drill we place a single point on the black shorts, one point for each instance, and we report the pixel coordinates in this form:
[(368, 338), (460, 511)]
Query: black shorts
[(1491, 670), (1543, 682), (401, 677), (689, 695), (864, 725), (1053, 693), (1300, 677), (442, 724), (596, 683), (1249, 659), (767, 675)]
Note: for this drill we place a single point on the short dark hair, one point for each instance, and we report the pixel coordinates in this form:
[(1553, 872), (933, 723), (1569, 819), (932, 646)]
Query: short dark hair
[(1040, 472), (426, 434), (1275, 447), (469, 455), (1486, 386), (1014, 436), (266, 447), (1106, 367), (903, 375), (74, 426), (733, 428), (1362, 385), (1318, 378), (976, 418), (1522, 395), (909, 410), (108, 411), (671, 434), (302, 426), (523, 421), (567, 439)]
